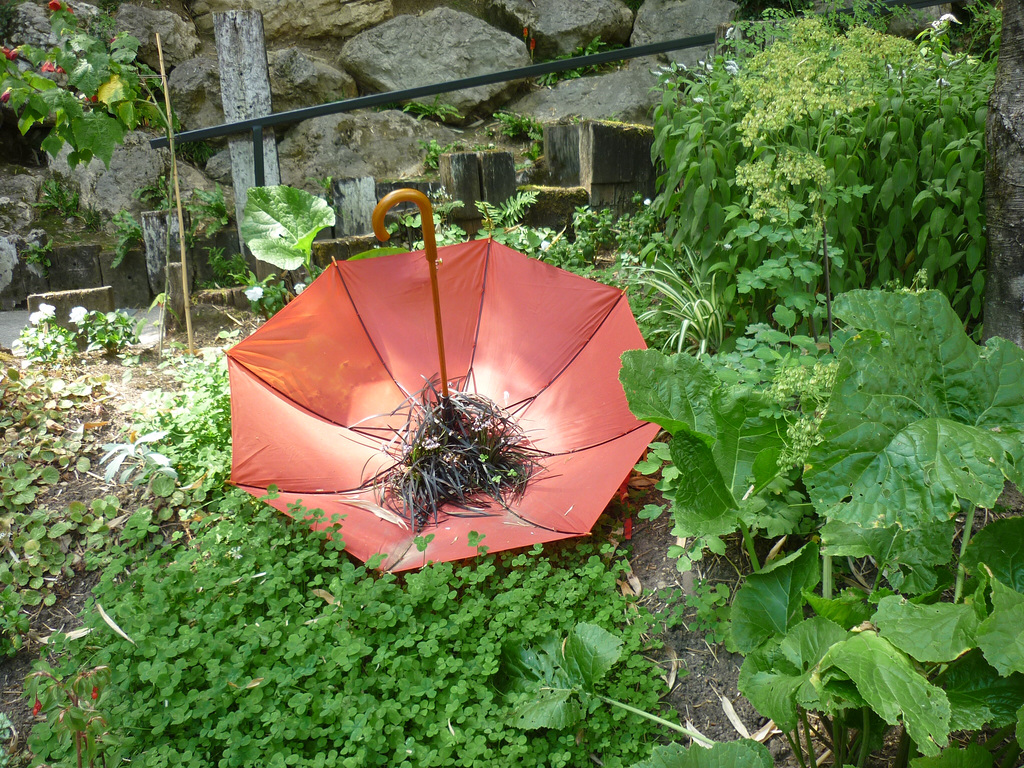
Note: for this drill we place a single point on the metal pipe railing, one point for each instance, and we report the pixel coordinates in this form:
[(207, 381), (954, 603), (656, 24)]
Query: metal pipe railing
[(255, 125)]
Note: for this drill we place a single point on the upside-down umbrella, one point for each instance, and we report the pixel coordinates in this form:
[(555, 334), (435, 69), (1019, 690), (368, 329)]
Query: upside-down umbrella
[(318, 391)]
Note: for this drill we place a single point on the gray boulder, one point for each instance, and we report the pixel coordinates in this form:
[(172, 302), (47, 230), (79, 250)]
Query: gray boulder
[(134, 165), (178, 37), (31, 23), (659, 20), (562, 26), (351, 145), (20, 190), (624, 95), (297, 79), (195, 93), (299, 20), (440, 45), (300, 80)]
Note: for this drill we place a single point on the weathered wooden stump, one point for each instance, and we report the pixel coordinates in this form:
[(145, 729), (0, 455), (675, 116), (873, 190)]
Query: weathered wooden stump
[(615, 163), (555, 207), (353, 202), (73, 267), (98, 299), (129, 279), (562, 154), (477, 176)]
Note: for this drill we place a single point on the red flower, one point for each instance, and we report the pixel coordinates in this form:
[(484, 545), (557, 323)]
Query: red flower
[(95, 97), (526, 32), (54, 5), (10, 53), (533, 44), (95, 689), (48, 66), (37, 708), (5, 96)]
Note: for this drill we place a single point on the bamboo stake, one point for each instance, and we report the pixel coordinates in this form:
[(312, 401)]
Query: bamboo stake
[(177, 198)]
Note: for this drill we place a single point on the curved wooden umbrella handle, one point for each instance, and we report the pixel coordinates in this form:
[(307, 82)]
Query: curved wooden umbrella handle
[(388, 202)]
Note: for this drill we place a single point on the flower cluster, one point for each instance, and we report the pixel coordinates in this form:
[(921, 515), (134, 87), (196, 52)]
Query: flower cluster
[(45, 341)]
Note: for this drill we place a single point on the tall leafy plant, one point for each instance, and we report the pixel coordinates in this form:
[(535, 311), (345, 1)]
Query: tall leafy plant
[(867, 144)]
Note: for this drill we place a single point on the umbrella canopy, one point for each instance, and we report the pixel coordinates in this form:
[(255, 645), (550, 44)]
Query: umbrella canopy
[(315, 391)]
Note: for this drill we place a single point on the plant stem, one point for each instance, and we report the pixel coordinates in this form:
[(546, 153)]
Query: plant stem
[(965, 539), (703, 740), (748, 543), (864, 733), (794, 744), (807, 737), (903, 752), (827, 269), (826, 576)]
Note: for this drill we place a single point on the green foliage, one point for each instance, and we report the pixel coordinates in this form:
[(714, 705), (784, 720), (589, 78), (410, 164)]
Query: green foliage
[(13, 626), (39, 255), (196, 152), (516, 126), (555, 685), (917, 424), (128, 234), (594, 46), (867, 144), (742, 753), (208, 213), (434, 151), (920, 418), (710, 603), (297, 653), (506, 215), (58, 198), (106, 92), (227, 270), (111, 332), (436, 110), (74, 712), (42, 341), (280, 223), (156, 196)]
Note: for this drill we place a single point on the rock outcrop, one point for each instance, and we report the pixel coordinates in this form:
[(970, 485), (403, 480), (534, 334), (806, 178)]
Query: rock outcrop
[(440, 45), (659, 20), (286, 21), (178, 37), (562, 26)]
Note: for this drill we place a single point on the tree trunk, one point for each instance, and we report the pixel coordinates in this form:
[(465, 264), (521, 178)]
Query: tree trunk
[(1004, 184)]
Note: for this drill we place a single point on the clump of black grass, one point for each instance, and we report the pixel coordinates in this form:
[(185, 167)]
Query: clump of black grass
[(456, 451)]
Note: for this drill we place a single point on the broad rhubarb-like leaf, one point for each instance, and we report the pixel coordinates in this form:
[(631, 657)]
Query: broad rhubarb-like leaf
[(892, 687), (978, 695), (929, 633), (919, 418), (1000, 636), (279, 224), (742, 753), (1000, 546), (971, 756)]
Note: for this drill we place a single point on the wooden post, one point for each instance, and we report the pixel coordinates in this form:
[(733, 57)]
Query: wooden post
[(245, 93)]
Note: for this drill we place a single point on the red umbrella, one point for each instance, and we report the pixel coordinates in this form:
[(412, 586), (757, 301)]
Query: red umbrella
[(317, 394)]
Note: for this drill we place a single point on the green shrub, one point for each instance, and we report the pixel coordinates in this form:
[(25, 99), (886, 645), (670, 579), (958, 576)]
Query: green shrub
[(871, 141), (262, 643)]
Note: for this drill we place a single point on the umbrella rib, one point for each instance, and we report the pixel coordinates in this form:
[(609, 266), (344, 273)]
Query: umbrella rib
[(480, 309), (580, 449), (608, 314), (366, 330)]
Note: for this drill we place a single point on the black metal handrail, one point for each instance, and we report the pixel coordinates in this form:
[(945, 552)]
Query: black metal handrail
[(255, 125)]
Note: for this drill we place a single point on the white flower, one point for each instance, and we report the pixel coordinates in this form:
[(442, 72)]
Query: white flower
[(48, 310), (732, 68), (544, 245), (944, 19), (727, 246), (255, 293), (36, 318), (299, 288), (78, 315), (698, 99), (647, 201), (730, 33), (942, 82)]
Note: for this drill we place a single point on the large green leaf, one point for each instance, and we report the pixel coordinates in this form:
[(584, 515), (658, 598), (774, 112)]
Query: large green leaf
[(726, 450), (1000, 636), (920, 416), (930, 633), (729, 754), (590, 652), (972, 756), (1000, 546), (547, 693), (891, 686), (905, 556), (778, 676), (673, 392), (979, 695), (279, 224), (770, 602), (849, 610), (1020, 726)]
